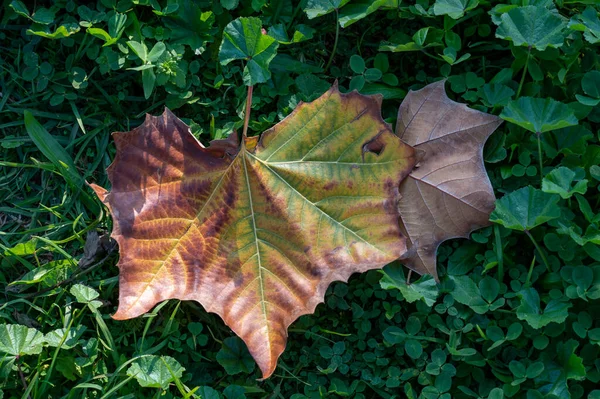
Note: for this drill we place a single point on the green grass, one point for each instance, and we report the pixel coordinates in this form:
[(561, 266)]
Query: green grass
[(62, 97)]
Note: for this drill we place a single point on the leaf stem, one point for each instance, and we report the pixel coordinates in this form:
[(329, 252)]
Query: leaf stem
[(248, 109), (23, 380), (432, 56), (542, 255), (524, 72), (539, 143), (530, 272), (335, 43), (499, 253)]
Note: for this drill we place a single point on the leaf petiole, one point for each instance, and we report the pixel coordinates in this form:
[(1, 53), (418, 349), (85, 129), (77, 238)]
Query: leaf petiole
[(530, 272), (539, 144), (248, 109), (542, 255), (337, 35), (524, 73), (499, 253)]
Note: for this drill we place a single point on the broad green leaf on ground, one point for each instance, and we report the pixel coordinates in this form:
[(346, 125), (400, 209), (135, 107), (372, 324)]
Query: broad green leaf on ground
[(230, 4), (495, 94), (243, 39), (560, 366), (71, 338), (462, 261), (531, 311), (534, 26), (358, 10), (317, 8), (591, 87), (41, 15), (525, 209), (448, 194), (301, 33), (234, 357), (206, 392), (191, 26), (234, 392), (560, 181), (47, 275), (539, 115), (588, 23), (86, 295), (18, 340), (256, 231), (455, 9), (569, 140), (155, 371), (465, 291), (425, 288), (592, 234), (573, 367)]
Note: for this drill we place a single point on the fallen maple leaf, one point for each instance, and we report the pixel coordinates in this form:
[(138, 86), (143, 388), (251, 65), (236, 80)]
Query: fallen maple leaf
[(448, 194), (256, 231)]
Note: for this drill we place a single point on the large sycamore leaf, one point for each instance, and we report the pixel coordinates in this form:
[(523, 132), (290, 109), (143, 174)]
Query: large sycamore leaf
[(256, 232), (448, 194)]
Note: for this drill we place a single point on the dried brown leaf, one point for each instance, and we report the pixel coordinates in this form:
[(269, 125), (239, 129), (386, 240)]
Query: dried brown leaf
[(448, 194)]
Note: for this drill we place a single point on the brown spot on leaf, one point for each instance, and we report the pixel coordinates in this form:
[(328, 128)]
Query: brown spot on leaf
[(331, 185)]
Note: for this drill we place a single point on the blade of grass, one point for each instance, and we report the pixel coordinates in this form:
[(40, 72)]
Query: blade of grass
[(46, 143)]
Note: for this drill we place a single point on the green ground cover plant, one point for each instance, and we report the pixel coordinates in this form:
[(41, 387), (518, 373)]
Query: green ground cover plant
[(515, 313)]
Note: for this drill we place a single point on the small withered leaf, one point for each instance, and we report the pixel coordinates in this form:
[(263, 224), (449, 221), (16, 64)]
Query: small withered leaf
[(448, 194)]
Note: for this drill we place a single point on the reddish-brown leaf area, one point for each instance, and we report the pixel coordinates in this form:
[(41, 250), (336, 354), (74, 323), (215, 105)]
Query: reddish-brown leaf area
[(256, 232)]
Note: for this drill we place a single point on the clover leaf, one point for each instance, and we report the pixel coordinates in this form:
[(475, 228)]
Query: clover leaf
[(234, 356)]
